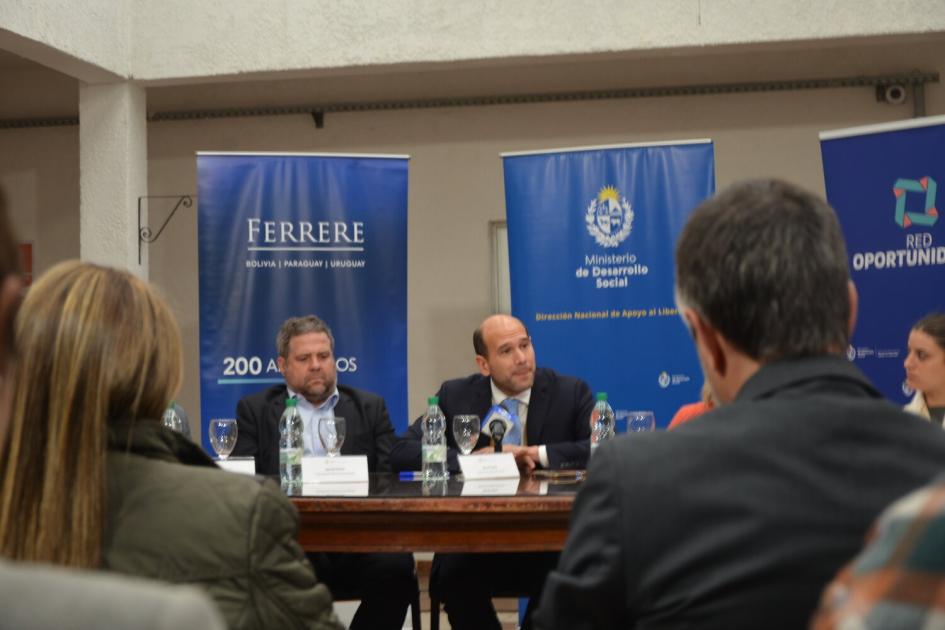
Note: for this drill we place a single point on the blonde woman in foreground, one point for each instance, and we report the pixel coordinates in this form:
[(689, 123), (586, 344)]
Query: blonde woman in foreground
[(90, 478)]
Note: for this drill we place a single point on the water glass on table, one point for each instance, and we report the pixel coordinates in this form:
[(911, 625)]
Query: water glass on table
[(331, 432), (223, 436), (466, 432)]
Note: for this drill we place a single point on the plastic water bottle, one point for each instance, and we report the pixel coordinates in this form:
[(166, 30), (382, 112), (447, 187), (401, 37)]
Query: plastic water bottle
[(433, 449), (171, 420), (602, 421), (290, 447)]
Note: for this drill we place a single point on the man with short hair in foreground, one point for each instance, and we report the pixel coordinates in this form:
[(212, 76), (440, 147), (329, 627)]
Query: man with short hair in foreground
[(739, 518)]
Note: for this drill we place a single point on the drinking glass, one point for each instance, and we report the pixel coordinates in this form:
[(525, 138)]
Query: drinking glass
[(223, 436), (466, 432), (331, 431), (640, 421)]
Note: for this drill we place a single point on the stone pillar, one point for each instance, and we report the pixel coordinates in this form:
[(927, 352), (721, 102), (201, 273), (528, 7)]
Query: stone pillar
[(113, 173)]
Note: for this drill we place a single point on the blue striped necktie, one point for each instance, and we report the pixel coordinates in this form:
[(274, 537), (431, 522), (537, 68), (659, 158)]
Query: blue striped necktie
[(514, 435)]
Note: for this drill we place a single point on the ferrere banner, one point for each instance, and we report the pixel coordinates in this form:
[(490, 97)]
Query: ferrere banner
[(591, 240), (883, 182), (289, 235)]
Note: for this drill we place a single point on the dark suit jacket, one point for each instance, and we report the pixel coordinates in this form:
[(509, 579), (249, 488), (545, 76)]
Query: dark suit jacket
[(368, 430), (738, 518), (559, 413)]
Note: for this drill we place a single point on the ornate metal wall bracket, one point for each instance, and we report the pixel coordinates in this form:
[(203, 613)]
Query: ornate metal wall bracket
[(145, 233)]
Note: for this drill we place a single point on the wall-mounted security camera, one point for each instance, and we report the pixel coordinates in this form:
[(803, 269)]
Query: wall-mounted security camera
[(891, 94)]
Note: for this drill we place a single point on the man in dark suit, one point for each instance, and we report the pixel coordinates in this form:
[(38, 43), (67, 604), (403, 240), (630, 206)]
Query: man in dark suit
[(384, 582), (552, 412), (739, 517)]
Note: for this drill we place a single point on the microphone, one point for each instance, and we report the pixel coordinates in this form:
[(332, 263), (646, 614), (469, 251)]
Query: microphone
[(497, 429)]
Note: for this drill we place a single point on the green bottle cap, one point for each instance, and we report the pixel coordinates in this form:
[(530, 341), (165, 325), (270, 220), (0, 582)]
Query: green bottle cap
[(602, 396), (433, 400), (291, 402)]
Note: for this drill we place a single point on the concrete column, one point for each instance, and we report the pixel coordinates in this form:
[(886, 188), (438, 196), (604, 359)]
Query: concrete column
[(113, 173)]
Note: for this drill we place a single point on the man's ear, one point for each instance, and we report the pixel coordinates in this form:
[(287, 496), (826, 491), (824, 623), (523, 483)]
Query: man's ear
[(483, 365), (280, 363), (854, 300), (708, 342)]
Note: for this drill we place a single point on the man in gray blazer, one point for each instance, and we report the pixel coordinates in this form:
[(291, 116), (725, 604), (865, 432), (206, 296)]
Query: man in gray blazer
[(738, 518)]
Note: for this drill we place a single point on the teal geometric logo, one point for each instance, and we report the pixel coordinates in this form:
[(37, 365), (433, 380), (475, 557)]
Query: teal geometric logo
[(927, 187)]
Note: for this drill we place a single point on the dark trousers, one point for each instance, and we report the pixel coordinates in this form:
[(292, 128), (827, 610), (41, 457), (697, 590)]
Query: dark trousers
[(467, 582), (384, 582)]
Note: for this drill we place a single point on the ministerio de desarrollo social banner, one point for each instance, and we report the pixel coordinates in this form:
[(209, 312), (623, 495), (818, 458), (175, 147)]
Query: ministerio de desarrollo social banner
[(285, 235), (591, 240), (884, 182)]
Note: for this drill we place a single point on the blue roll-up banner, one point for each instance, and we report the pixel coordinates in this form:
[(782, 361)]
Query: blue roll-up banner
[(283, 235), (591, 238), (883, 182)]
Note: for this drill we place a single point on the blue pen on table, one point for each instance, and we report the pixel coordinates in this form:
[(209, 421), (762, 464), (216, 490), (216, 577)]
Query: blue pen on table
[(411, 475)]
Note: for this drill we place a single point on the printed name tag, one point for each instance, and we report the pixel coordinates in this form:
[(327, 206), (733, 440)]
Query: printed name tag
[(341, 469), (492, 466), (241, 465)]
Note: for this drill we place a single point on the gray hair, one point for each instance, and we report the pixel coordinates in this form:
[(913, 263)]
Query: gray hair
[(295, 326), (765, 263)]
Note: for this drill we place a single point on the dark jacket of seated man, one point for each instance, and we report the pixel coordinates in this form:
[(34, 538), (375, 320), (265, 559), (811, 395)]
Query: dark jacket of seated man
[(558, 418), (367, 426)]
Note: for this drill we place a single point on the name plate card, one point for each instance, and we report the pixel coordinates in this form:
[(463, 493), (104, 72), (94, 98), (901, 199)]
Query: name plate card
[(341, 469), (492, 466), (241, 465)]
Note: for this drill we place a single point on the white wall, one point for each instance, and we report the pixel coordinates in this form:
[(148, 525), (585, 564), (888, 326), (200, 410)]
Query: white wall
[(89, 40), (187, 39)]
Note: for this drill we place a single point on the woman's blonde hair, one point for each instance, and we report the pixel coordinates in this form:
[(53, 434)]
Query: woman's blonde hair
[(96, 345)]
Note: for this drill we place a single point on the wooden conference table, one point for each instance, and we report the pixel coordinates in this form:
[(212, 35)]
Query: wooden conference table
[(411, 515)]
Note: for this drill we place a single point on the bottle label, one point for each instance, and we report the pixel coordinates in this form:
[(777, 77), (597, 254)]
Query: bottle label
[(434, 453), (290, 456)]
